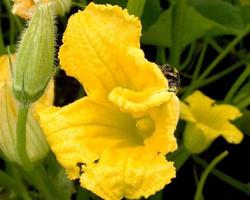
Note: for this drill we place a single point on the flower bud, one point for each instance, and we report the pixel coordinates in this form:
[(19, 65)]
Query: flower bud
[(59, 7), (35, 57), (194, 139)]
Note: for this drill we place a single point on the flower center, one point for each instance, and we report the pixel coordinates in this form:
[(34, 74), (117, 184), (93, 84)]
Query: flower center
[(145, 126)]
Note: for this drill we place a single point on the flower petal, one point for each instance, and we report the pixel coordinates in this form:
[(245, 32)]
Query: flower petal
[(225, 112), (127, 176), (138, 101), (200, 105), (166, 118), (231, 133), (5, 68), (23, 8), (101, 49), (186, 113), (81, 131)]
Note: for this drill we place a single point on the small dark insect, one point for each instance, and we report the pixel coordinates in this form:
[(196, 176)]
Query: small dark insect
[(80, 165), (173, 77)]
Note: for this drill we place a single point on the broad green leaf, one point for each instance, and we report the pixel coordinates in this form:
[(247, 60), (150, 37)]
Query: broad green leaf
[(245, 13), (151, 12), (83, 194), (221, 12), (160, 32), (195, 26)]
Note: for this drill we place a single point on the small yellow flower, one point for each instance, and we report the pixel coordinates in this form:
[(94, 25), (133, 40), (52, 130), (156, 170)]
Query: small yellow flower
[(37, 146), (207, 121), (26, 8), (115, 139)]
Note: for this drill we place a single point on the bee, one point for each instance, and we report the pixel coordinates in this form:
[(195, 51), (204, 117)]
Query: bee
[(173, 77)]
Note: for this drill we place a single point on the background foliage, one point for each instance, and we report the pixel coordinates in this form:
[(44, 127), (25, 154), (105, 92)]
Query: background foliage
[(208, 42)]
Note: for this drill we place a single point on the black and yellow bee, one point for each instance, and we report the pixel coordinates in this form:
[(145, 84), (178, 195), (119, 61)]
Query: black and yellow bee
[(173, 77)]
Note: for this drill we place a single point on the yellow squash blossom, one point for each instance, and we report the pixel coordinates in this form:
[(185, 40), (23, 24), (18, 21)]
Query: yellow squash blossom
[(207, 121), (115, 139), (37, 146), (26, 8)]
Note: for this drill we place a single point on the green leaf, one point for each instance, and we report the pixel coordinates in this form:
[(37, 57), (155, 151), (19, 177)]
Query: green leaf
[(220, 12), (122, 3), (245, 13), (151, 13), (195, 26), (159, 33), (83, 194), (243, 122)]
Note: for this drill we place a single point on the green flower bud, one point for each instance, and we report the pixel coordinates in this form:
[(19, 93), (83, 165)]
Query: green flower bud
[(35, 57), (59, 7), (194, 139)]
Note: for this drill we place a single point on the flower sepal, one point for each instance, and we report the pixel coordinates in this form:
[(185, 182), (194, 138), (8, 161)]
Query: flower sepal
[(194, 139)]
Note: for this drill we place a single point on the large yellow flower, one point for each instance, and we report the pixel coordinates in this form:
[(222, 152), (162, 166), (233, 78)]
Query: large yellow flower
[(115, 139), (37, 146), (207, 121)]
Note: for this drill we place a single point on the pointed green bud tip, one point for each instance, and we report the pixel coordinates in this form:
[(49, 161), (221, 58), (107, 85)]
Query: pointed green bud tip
[(35, 57), (60, 7), (194, 139)]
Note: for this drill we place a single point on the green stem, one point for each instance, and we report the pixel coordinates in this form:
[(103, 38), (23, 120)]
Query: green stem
[(6, 180), (214, 44), (189, 57), (217, 76), (197, 181), (205, 174), (245, 188), (244, 103), (244, 75), (177, 33), (18, 184), (222, 73), (135, 7), (217, 60), (40, 179), (200, 61), (196, 71), (160, 56), (179, 157), (21, 136)]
